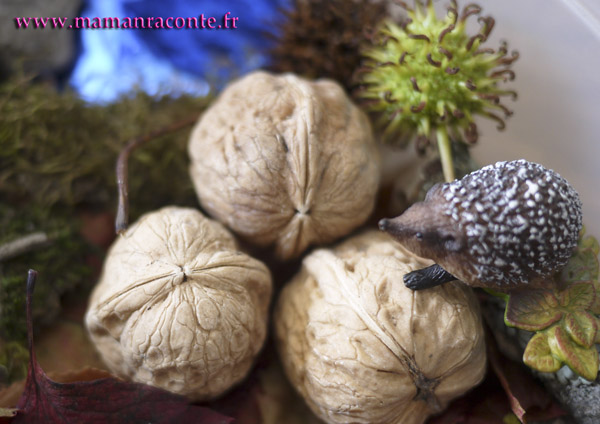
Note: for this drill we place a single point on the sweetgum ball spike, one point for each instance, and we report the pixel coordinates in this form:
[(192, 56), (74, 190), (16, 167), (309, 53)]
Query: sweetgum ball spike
[(507, 226), (429, 78)]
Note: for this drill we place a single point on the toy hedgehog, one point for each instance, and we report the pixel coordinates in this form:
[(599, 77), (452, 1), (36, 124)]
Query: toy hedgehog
[(506, 226)]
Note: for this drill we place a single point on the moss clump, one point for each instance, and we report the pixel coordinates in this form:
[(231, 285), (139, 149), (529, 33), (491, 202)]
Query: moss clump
[(57, 159), (14, 359), (57, 149), (63, 257)]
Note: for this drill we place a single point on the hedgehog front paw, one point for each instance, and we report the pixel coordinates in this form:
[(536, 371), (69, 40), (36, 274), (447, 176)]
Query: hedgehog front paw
[(426, 278)]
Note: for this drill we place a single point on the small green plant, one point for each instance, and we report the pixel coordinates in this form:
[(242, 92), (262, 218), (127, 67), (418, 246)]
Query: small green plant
[(565, 320), (429, 78)]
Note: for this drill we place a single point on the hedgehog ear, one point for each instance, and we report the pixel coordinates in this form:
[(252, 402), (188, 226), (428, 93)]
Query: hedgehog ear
[(451, 242)]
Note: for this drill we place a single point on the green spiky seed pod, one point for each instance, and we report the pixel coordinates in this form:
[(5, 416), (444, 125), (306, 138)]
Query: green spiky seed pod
[(428, 77)]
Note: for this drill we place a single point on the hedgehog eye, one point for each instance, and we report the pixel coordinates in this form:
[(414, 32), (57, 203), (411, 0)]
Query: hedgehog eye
[(419, 236)]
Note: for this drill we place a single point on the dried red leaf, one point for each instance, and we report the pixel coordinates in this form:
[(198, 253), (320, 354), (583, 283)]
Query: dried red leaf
[(10, 395), (527, 399), (509, 387), (106, 400), (485, 405)]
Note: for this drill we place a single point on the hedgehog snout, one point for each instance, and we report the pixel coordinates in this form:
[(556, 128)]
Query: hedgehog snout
[(400, 231), (410, 234), (396, 228)]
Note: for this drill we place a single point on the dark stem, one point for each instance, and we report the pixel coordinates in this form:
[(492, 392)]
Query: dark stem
[(413, 81), (446, 30), (445, 52), (427, 278), (418, 108), (388, 97), (419, 37), (479, 37), (31, 277), (122, 220), (470, 9), (402, 57), (433, 62), (469, 84), (508, 74)]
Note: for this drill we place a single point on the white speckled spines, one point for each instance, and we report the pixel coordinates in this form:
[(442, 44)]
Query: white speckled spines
[(521, 221)]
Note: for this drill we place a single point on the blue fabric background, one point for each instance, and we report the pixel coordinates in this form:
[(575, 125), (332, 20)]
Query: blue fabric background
[(115, 61)]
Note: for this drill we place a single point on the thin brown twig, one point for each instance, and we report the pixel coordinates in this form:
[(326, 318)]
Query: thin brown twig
[(23, 244), (122, 219)]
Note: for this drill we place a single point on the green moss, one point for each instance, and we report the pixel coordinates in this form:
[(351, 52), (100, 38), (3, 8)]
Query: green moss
[(61, 264), (14, 358), (57, 159), (56, 149)]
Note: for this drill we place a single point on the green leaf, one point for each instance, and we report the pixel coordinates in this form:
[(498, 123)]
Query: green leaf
[(538, 355), (511, 419), (584, 361), (578, 297), (595, 308), (582, 327), (532, 310), (583, 265), (501, 295), (597, 338), (590, 243)]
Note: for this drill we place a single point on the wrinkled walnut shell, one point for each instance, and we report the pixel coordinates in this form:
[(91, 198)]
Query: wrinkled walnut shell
[(281, 160), (360, 347), (178, 306)]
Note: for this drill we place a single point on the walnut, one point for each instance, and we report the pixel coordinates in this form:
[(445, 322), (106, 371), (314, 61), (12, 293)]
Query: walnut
[(178, 307), (360, 347), (281, 160)]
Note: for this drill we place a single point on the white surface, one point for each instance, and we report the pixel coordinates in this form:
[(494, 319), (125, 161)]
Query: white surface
[(557, 118)]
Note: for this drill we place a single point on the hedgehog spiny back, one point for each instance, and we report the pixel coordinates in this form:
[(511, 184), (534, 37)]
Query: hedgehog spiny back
[(520, 219)]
